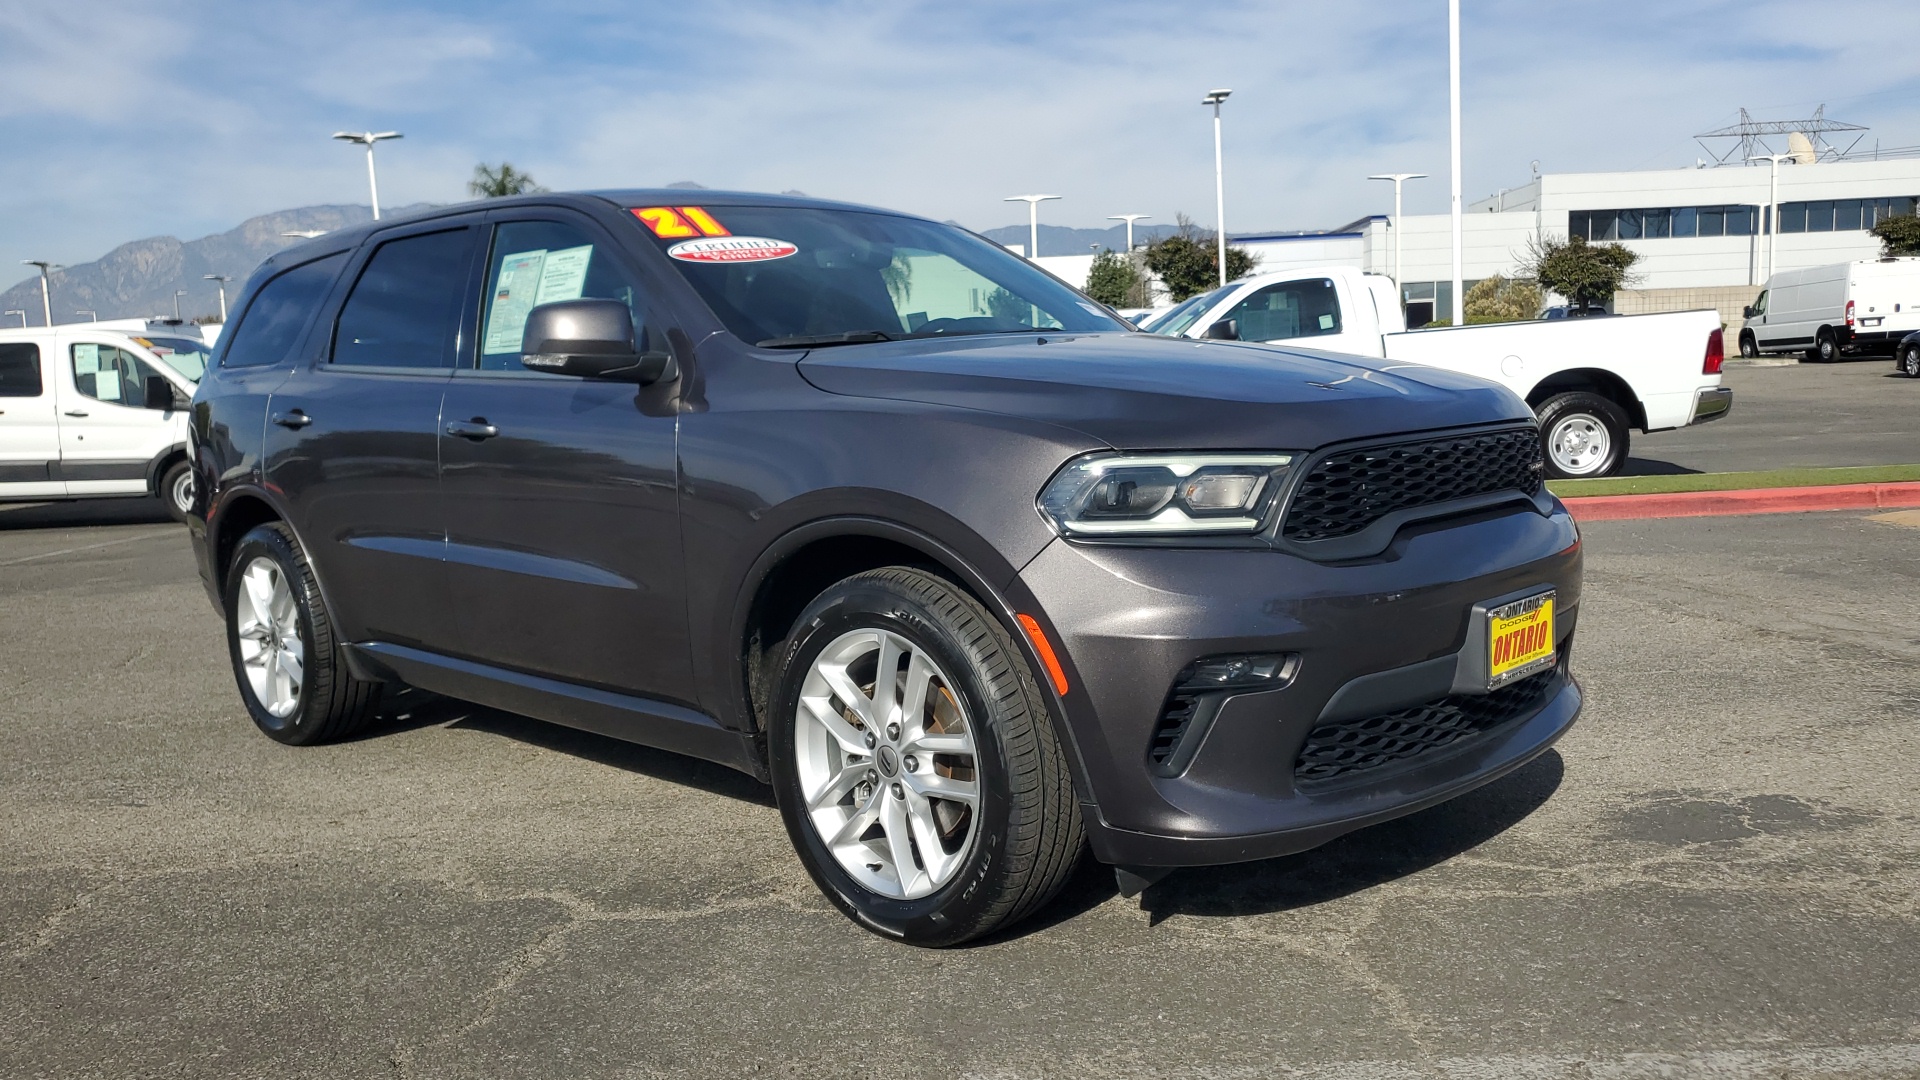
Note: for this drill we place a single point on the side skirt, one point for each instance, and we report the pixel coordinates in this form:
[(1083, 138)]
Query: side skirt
[(625, 717)]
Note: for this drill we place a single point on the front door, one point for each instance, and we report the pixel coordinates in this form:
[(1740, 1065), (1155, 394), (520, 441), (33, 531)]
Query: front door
[(563, 538), (352, 439), (108, 437), (29, 425), (1307, 310)]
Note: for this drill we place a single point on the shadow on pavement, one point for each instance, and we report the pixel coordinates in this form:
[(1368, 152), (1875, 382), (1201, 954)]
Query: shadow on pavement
[(63, 515), (1650, 467), (1359, 860)]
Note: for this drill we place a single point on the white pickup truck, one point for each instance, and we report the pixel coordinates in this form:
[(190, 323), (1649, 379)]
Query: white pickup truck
[(1590, 381)]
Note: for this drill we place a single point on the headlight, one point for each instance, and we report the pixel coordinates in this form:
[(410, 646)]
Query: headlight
[(1115, 494)]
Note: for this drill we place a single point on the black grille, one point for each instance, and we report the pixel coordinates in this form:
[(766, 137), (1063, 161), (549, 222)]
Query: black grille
[(1336, 750), (1348, 490), (1174, 721)]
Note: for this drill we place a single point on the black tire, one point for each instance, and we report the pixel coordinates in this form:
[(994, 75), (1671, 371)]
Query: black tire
[(1749, 348), (1573, 408), (176, 490), (1825, 348), (331, 704), (1030, 833), (1909, 361)]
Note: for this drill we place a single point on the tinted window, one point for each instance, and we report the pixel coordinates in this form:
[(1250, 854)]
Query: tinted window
[(20, 369), (105, 373), (187, 356), (1291, 309), (405, 309), (1820, 216), (544, 262), (270, 327)]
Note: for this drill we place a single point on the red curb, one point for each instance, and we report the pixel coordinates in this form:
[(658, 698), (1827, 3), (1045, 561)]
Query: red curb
[(1793, 500)]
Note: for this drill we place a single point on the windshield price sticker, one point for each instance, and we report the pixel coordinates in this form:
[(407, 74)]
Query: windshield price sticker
[(674, 222), (732, 249)]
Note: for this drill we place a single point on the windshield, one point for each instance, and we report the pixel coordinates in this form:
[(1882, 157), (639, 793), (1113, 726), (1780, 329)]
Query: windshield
[(1175, 322), (784, 276), (184, 355)]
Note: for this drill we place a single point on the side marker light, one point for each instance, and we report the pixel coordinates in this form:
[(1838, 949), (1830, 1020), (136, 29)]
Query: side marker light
[(1045, 648)]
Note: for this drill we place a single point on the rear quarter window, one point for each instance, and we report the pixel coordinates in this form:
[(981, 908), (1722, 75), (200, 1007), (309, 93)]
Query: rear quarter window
[(280, 312), (20, 369)]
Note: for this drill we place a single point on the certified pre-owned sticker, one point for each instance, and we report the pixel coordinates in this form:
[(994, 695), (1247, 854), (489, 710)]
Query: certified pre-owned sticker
[(731, 249)]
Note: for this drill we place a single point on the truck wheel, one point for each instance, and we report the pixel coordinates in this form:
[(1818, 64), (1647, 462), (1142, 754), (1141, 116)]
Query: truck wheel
[(1825, 348), (1910, 361), (176, 490), (914, 762), (292, 673), (1585, 435), (1749, 348)]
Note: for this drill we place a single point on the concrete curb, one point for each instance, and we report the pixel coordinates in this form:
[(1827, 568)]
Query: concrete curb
[(1793, 500)]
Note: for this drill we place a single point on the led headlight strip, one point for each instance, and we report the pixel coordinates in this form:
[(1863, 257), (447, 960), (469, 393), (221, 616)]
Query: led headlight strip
[(1147, 494)]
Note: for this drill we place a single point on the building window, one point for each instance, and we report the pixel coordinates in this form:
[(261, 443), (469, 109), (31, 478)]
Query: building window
[(1660, 223)]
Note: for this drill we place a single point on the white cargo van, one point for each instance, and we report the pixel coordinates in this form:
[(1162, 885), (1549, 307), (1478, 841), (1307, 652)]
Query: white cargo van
[(1833, 311), (87, 412)]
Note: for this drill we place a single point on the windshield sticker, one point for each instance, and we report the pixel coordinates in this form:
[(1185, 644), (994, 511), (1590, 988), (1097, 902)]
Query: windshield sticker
[(732, 249), (86, 359), (673, 223), (526, 280)]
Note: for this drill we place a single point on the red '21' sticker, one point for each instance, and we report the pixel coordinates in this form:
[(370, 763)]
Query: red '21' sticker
[(731, 249)]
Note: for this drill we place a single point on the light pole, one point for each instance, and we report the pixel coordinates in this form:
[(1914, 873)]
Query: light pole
[(177, 294), (22, 314), (1398, 179), (1453, 98), (1773, 206), (46, 288), (1033, 219), (367, 139), (1129, 219), (90, 313), (1214, 98), (222, 280)]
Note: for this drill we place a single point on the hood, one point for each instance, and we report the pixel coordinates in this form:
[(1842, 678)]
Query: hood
[(1141, 391)]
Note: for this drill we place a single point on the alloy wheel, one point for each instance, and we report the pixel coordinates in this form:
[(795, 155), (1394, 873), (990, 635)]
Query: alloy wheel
[(1579, 444), (268, 628), (181, 491), (888, 766)]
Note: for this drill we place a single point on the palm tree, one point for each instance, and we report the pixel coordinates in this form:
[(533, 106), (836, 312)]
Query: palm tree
[(497, 183)]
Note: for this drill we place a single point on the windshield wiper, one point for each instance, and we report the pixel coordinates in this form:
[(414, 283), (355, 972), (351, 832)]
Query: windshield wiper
[(805, 341)]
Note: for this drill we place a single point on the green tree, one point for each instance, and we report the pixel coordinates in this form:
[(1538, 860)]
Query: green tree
[(1899, 235), (1188, 261), (491, 183), (1586, 274), (1009, 309), (1113, 280), (1502, 299)]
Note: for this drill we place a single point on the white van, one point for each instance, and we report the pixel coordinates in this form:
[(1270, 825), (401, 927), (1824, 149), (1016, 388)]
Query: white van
[(86, 412), (1829, 311)]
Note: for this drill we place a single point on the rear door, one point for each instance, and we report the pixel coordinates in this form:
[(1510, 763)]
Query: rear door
[(352, 439), (563, 554), (29, 424), (109, 439)]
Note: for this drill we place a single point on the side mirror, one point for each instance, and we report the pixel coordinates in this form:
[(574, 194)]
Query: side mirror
[(1224, 330), (1747, 312), (159, 394), (591, 339)]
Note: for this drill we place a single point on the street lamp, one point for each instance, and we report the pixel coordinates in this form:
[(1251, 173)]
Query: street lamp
[(1453, 101), (22, 314), (367, 139), (90, 313), (1773, 206), (1214, 98), (1398, 179), (1033, 219), (222, 280), (177, 294), (1129, 219), (46, 288)]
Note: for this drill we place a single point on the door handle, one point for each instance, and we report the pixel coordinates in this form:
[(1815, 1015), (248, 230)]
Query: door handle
[(475, 429), (295, 419), (76, 412)]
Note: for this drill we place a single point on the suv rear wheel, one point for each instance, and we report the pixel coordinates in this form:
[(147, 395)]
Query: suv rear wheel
[(292, 673), (914, 762), (1910, 361), (1586, 435)]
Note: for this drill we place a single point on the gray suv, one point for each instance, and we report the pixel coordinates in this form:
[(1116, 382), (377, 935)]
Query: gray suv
[(974, 574)]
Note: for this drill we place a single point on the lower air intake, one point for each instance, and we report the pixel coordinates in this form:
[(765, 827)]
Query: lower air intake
[(1342, 748)]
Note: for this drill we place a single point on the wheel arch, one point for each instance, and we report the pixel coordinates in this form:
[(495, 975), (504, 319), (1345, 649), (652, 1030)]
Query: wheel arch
[(1599, 381), (237, 513), (162, 461)]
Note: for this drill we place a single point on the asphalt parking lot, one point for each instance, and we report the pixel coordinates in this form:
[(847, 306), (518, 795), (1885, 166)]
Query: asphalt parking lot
[(1717, 873), (1855, 412)]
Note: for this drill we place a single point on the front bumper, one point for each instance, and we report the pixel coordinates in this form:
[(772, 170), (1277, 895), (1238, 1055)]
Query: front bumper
[(1130, 619), (1711, 403)]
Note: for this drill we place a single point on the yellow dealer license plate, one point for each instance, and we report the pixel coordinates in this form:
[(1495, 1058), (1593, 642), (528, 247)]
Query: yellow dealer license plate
[(1519, 639)]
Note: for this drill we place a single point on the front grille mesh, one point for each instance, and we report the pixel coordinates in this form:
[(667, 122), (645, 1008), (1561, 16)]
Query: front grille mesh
[(1348, 490), (1337, 750)]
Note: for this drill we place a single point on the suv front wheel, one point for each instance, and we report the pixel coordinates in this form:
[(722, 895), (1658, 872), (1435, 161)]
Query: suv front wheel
[(915, 764)]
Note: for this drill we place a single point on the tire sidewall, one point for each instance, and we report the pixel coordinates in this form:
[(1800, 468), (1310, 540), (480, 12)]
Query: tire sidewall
[(1749, 345), (1827, 348), (1600, 409), (265, 540), (947, 914), (1910, 361), (170, 482)]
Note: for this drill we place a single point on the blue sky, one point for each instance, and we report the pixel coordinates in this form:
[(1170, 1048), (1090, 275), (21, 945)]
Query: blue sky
[(123, 120)]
